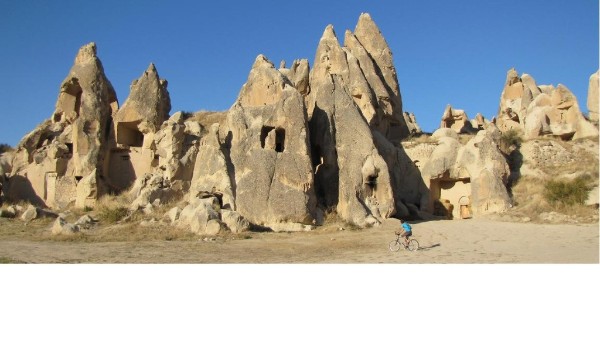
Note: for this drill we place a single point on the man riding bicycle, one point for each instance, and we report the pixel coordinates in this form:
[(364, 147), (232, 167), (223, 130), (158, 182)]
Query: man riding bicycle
[(405, 231)]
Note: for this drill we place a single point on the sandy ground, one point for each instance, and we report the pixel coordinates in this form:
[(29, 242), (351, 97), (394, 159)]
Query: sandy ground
[(458, 241)]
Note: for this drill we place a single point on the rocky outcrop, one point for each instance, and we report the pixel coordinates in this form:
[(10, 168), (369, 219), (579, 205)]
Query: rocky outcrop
[(212, 170), (541, 110), (146, 108), (457, 120), (51, 160), (464, 180), (297, 143), (350, 173), (269, 149), (135, 126), (592, 99)]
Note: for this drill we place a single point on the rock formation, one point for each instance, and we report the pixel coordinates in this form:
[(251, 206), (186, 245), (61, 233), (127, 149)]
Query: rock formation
[(469, 177), (592, 99), (297, 143), (541, 110), (51, 160), (457, 120), (270, 154), (135, 126)]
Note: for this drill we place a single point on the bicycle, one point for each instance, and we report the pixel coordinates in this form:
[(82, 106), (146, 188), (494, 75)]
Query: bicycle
[(412, 245)]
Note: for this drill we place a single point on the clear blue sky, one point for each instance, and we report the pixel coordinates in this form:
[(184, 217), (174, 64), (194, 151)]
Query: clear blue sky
[(446, 52)]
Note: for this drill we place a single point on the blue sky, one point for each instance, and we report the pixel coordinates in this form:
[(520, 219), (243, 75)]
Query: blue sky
[(446, 52)]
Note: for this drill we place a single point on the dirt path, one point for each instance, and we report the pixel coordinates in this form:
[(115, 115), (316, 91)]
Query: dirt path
[(466, 241)]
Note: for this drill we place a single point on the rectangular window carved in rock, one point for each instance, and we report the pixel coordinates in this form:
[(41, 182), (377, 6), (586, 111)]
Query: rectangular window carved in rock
[(279, 139), (264, 132)]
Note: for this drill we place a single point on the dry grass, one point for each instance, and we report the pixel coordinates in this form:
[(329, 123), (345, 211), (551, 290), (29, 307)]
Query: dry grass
[(208, 118), (529, 200)]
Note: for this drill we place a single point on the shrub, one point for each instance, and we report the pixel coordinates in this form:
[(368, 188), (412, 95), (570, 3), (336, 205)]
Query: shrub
[(5, 148), (511, 138), (112, 215), (567, 192)]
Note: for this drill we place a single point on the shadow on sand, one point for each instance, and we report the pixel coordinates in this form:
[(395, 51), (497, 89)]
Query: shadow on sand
[(429, 247)]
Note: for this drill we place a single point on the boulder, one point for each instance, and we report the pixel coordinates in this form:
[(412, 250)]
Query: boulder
[(152, 189), (60, 226), (197, 215), (173, 214), (234, 221), (85, 222), (9, 212), (30, 213)]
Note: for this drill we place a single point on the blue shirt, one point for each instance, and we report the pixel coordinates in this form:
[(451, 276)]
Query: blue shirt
[(406, 227)]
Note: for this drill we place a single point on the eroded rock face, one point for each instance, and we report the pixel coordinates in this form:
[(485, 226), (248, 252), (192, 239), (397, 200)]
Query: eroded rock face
[(212, 171), (146, 108), (51, 160), (350, 173), (269, 149), (135, 126), (466, 179), (457, 120), (540, 110), (592, 99)]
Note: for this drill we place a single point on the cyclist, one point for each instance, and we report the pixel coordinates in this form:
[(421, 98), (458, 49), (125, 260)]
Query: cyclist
[(405, 231)]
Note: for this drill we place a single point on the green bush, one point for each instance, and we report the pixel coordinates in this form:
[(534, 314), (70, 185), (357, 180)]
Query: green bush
[(511, 138), (567, 192), (112, 215)]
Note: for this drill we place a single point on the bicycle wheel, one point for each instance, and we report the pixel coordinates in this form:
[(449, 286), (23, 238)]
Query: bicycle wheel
[(413, 245), (395, 245)]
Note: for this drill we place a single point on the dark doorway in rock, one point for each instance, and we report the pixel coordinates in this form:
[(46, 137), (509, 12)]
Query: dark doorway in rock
[(279, 139), (264, 132), (128, 134), (370, 185)]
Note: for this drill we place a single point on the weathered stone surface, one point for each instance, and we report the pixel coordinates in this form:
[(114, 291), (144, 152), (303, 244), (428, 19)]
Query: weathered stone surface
[(211, 170), (169, 145), (135, 126), (592, 99), (9, 212), (85, 222), (538, 110), (146, 108), (592, 198), (152, 188), (369, 35), (173, 214), (290, 227), (543, 153), (457, 120), (197, 217), (87, 191), (298, 75), (350, 173), (73, 142), (30, 213), (234, 221), (488, 172), (269, 149)]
